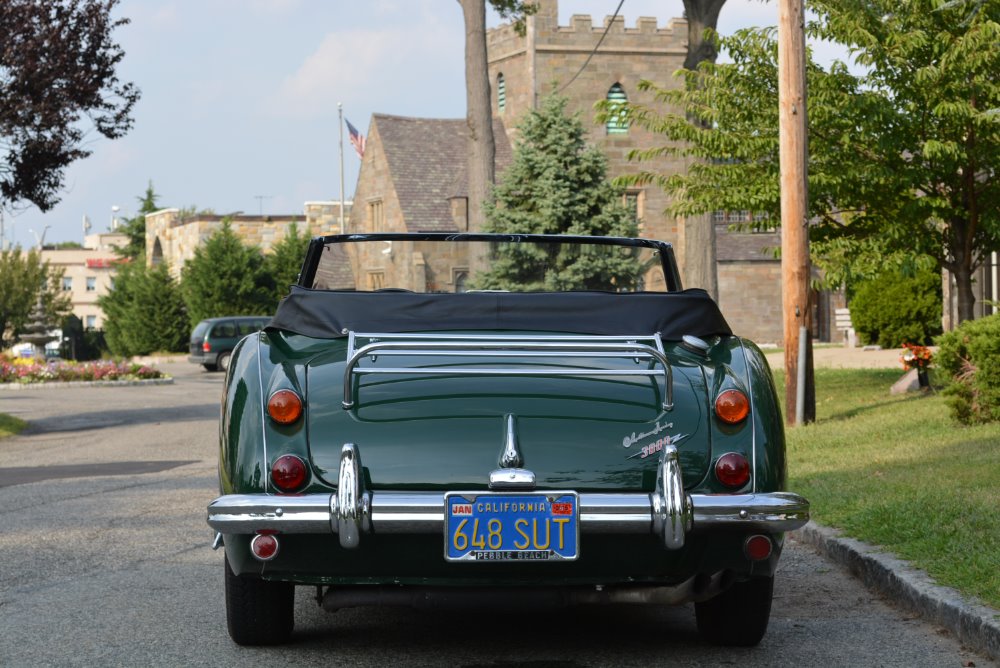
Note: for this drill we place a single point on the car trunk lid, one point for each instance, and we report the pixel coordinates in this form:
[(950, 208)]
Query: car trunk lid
[(442, 429)]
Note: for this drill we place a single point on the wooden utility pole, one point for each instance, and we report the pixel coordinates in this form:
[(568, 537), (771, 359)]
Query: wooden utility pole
[(800, 396)]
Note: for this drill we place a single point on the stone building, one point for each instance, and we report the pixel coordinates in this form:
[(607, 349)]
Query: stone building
[(413, 179), (413, 173), (172, 238)]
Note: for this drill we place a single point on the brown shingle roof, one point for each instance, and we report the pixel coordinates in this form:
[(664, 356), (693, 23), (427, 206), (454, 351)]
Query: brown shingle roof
[(427, 164)]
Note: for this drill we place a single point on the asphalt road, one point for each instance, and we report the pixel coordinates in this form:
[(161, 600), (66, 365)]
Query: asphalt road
[(105, 559)]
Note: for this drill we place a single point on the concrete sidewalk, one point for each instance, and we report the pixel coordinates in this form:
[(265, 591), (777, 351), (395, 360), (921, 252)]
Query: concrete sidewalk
[(839, 357)]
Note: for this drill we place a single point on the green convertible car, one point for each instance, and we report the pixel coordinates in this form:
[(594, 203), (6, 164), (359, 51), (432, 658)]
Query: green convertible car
[(526, 420)]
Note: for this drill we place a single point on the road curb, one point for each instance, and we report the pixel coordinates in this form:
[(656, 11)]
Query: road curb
[(975, 625), (14, 387)]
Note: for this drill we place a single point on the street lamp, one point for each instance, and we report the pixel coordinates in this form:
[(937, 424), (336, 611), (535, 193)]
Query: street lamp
[(114, 217)]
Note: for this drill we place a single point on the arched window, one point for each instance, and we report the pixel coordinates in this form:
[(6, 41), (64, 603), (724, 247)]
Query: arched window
[(617, 124), (157, 252), (501, 93)]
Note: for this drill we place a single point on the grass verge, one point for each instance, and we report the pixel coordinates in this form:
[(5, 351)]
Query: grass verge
[(10, 425), (897, 472)]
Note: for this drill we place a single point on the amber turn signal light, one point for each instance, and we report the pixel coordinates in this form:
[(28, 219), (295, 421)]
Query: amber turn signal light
[(732, 406), (284, 407)]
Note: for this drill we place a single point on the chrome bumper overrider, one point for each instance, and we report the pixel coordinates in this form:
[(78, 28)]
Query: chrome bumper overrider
[(352, 511)]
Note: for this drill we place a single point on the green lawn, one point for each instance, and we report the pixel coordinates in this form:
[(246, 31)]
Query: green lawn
[(10, 425), (897, 472)]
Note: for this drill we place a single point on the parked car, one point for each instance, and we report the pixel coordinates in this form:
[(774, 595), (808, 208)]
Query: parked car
[(213, 340), (492, 420)]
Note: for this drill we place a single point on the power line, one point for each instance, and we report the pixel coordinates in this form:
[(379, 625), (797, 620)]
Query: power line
[(596, 47)]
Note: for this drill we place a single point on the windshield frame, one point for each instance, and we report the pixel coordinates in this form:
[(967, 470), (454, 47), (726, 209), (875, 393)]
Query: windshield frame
[(666, 252)]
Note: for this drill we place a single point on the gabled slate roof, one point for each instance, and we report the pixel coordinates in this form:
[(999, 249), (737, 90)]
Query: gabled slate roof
[(427, 165)]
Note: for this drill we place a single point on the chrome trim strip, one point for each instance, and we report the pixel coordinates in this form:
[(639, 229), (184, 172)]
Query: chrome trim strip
[(423, 512), (610, 347), (263, 418), (753, 423)]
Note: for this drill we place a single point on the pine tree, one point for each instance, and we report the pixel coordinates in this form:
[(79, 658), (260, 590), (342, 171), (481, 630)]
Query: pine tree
[(225, 278), (144, 312), (285, 261), (135, 228), (557, 185)]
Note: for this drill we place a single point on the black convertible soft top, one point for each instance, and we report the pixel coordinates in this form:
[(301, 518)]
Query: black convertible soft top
[(327, 314)]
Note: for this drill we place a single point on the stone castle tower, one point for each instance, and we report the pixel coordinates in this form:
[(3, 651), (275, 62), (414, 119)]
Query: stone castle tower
[(550, 58)]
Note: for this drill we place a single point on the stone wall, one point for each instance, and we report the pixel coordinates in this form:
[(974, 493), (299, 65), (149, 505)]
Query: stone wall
[(173, 239), (750, 299)]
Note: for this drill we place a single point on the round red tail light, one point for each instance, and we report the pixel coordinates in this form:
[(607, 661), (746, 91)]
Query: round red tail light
[(732, 469), (757, 548), (288, 473), (732, 406), (284, 407), (264, 547)]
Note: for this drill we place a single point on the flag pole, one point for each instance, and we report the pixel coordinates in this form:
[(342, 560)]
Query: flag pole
[(340, 114)]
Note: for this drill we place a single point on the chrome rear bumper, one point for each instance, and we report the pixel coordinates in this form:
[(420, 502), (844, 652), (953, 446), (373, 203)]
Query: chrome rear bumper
[(352, 511)]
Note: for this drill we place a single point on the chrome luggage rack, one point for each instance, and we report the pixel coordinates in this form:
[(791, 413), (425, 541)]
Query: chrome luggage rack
[(512, 346)]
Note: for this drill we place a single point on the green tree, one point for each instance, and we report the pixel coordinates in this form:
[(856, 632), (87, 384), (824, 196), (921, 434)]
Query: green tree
[(225, 278), (22, 277), (57, 76), (896, 308), (906, 153), (557, 184), (285, 261), (144, 312), (135, 227)]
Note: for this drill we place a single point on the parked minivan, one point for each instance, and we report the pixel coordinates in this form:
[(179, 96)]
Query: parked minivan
[(213, 340)]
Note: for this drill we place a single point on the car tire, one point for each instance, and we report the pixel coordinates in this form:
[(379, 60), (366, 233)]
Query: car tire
[(738, 616), (223, 362), (258, 612)]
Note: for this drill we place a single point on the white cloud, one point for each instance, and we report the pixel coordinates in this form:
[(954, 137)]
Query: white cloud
[(366, 67)]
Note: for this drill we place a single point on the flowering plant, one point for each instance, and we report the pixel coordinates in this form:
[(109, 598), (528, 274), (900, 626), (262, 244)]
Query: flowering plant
[(916, 357), (19, 371)]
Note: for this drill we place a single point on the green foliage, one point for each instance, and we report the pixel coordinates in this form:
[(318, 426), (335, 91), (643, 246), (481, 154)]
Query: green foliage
[(10, 425), (516, 10), (894, 309), (557, 185), (81, 344), (144, 312), (225, 278), (970, 358), (285, 261), (22, 275), (893, 470), (58, 85), (135, 227), (903, 153)]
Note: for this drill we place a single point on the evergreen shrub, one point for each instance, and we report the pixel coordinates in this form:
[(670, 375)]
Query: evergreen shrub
[(894, 309), (969, 356)]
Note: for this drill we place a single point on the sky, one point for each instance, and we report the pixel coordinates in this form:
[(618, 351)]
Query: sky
[(239, 99)]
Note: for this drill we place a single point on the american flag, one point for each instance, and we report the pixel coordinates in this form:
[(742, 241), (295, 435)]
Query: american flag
[(357, 139)]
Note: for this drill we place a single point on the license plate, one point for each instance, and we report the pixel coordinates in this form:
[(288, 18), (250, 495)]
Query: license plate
[(541, 526)]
